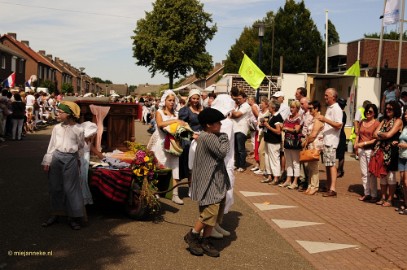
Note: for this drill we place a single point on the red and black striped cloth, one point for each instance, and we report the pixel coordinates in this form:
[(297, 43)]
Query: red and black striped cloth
[(114, 184)]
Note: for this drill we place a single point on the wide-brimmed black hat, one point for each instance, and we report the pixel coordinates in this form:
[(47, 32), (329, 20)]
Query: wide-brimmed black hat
[(210, 116)]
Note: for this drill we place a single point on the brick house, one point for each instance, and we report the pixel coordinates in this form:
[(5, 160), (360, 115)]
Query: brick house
[(36, 64), (214, 75), (368, 57), (12, 61)]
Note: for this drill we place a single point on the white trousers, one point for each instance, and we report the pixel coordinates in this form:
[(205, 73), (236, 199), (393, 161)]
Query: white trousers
[(272, 158), (369, 181)]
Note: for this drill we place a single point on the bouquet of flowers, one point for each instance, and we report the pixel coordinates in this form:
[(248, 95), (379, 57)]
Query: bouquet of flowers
[(144, 166)]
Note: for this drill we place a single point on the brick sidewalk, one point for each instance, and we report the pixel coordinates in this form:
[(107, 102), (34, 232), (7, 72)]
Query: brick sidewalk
[(331, 233)]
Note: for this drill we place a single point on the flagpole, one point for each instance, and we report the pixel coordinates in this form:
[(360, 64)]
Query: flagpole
[(379, 58), (326, 41), (400, 41)]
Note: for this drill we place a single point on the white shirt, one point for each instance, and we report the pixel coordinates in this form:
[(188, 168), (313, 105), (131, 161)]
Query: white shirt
[(30, 100), (66, 139), (331, 135), (240, 124), (284, 111)]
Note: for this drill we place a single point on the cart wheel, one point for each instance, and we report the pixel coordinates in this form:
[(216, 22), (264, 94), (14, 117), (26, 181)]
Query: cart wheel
[(137, 209)]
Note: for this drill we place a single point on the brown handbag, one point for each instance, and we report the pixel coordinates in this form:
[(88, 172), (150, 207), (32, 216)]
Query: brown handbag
[(307, 155)]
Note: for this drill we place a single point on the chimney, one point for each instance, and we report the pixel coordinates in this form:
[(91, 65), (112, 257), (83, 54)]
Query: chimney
[(57, 59), (26, 42), (42, 52), (49, 56), (13, 35)]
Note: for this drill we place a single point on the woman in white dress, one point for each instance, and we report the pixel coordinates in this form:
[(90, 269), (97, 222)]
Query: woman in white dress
[(166, 115)]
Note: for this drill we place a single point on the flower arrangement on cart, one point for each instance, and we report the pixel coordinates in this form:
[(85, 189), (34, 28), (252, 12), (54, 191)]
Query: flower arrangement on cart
[(146, 171)]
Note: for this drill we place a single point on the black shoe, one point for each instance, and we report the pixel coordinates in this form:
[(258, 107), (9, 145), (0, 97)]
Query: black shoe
[(51, 220), (208, 248), (74, 224), (192, 239)]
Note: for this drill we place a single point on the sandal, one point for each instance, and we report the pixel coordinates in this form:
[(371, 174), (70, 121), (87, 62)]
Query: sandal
[(284, 185), (380, 202), (387, 203), (51, 220), (403, 212), (400, 208)]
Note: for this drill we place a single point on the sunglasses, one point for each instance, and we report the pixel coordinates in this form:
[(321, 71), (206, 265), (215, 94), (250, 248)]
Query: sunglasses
[(389, 109), (310, 108), (369, 111)]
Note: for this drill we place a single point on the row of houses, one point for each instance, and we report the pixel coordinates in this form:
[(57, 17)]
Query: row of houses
[(18, 57)]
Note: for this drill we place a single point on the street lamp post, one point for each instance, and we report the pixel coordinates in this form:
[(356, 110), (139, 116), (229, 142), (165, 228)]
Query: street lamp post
[(261, 35), (81, 69), (106, 89)]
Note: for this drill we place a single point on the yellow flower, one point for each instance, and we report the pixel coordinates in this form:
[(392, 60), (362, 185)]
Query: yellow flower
[(146, 159), (138, 172)]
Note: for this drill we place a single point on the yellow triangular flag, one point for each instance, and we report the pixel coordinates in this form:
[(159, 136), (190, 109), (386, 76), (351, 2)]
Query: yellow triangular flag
[(251, 73), (354, 69)]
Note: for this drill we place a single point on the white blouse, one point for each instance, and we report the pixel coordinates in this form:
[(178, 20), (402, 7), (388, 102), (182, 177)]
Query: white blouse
[(65, 139)]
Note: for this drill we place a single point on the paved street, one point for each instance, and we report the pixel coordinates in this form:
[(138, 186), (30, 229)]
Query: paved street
[(111, 240), (272, 227)]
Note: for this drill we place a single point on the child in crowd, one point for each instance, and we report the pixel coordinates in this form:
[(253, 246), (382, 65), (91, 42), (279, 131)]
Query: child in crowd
[(61, 162), (30, 124), (209, 182), (90, 130)]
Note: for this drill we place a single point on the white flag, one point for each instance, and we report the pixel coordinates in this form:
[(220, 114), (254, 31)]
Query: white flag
[(391, 12)]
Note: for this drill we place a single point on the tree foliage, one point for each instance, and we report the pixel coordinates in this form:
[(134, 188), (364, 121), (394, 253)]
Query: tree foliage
[(296, 39), (333, 36), (67, 88), (99, 80), (171, 39), (48, 84), (393, 35)]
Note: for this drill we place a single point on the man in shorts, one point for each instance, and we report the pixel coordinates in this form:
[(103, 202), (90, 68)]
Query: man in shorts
[(332, 128)]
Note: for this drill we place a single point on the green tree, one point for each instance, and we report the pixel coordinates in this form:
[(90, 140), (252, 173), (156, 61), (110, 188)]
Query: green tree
[(299, 40), (391, 35), (67, 88), (296, 39), (171, 39), (247, 43), (48, 84), (333, 36)]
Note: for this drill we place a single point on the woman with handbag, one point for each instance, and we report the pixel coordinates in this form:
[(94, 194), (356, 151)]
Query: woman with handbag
[(292, 145), (314, 140), (165, 116), (384, 163), (364, 144)]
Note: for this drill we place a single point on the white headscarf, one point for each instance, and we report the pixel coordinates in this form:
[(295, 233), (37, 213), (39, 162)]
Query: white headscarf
[(90, 128), (164, 97), (223, 103)]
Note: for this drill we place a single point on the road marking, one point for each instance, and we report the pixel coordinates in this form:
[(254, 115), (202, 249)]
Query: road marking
[(265, 207), (286, 224), (317, 247), (253, 194)]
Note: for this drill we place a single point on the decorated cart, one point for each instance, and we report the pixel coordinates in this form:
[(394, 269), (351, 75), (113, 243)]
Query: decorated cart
[(137, 186)]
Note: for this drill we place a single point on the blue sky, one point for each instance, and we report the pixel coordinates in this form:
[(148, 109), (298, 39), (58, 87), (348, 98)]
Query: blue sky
[(95, 34)]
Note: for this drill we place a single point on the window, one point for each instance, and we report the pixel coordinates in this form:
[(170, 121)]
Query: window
[(3, 62), (40, 69), (13, 63), (21, 66)]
